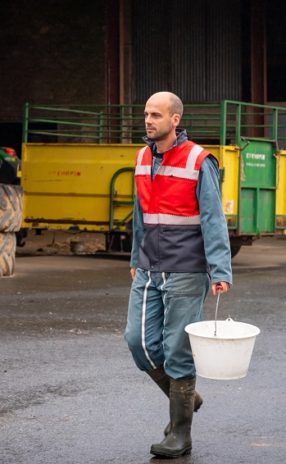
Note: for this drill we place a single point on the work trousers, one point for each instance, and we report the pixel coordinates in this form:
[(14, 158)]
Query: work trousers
[(161, 304)]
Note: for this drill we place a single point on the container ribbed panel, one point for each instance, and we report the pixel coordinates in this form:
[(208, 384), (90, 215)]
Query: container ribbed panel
[(223, 50), (151, 54), (188, 71), (192, 48)]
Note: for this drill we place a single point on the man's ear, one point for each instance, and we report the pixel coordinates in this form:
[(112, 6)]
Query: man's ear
[(176, 119)]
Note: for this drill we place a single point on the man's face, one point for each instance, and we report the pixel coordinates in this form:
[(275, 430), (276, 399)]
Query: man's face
[(159, 122)]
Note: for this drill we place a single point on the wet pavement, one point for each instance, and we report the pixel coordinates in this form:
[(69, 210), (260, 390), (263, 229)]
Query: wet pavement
[(70, 393)]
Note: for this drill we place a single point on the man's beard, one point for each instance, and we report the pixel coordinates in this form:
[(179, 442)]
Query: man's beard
[(160, 136)]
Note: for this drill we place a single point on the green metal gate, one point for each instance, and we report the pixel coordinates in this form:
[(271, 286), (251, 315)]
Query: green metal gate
[(257, 188)]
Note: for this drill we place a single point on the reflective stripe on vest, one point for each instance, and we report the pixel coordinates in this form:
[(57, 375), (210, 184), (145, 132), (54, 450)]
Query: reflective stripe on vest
[(188, 172), (170, 219), (143, 170)]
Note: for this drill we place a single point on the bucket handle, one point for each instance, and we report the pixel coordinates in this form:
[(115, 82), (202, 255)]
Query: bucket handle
[(216, 310)]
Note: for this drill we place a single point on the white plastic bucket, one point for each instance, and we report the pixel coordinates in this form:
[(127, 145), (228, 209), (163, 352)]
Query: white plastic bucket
[(226, 355)]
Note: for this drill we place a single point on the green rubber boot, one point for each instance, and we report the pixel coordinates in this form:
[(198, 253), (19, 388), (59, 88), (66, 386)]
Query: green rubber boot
[(178, 441), (163, 381)]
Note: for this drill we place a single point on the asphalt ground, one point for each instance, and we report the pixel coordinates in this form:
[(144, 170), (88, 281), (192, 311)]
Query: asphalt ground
[(69, 390)]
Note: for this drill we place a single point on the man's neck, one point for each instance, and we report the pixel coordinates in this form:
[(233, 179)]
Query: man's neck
[(164, 145)]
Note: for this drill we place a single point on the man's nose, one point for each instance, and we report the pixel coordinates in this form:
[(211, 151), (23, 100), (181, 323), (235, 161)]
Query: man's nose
[(147, 119)]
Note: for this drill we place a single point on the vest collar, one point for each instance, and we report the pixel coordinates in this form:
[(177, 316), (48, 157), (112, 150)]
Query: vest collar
[(181, 138)]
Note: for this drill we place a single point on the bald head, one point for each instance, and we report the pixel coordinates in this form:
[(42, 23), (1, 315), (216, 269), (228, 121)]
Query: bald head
[(163, 112), (173, 102)]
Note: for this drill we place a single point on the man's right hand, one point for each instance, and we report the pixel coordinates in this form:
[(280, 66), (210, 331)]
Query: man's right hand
[(133, 272), (220, 287)]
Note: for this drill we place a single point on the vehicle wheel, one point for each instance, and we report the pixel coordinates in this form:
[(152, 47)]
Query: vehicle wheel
[(10, 208), (7, 253), (20, 237), (119, 241), (234, 250)]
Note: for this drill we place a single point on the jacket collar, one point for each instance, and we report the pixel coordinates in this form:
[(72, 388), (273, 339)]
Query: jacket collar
[(181, 138)]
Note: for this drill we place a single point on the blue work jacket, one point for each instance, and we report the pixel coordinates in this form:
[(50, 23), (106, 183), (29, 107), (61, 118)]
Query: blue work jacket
[(213, 223)]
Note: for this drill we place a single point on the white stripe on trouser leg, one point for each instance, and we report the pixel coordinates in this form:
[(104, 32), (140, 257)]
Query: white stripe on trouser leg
[(164, 297), (143, 321), (162, 286)]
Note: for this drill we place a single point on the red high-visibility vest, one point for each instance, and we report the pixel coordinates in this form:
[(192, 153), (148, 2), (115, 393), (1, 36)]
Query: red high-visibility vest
[(170, 197)]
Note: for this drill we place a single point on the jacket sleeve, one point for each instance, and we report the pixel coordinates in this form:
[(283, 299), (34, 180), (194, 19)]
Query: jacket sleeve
[(138, 231), (213, 223)]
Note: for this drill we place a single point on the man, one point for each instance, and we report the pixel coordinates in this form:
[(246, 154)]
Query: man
[(180, 246)]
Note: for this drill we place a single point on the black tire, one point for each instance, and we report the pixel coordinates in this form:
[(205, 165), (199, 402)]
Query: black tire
[(8, 172), (10, 208), (119, 242), (20, 237), (7, 253), (234, 250)]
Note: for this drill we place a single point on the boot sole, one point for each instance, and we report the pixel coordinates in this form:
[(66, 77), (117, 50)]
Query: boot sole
[(171, 454)]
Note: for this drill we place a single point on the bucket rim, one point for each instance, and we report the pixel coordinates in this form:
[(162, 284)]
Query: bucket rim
[(218, 337)]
